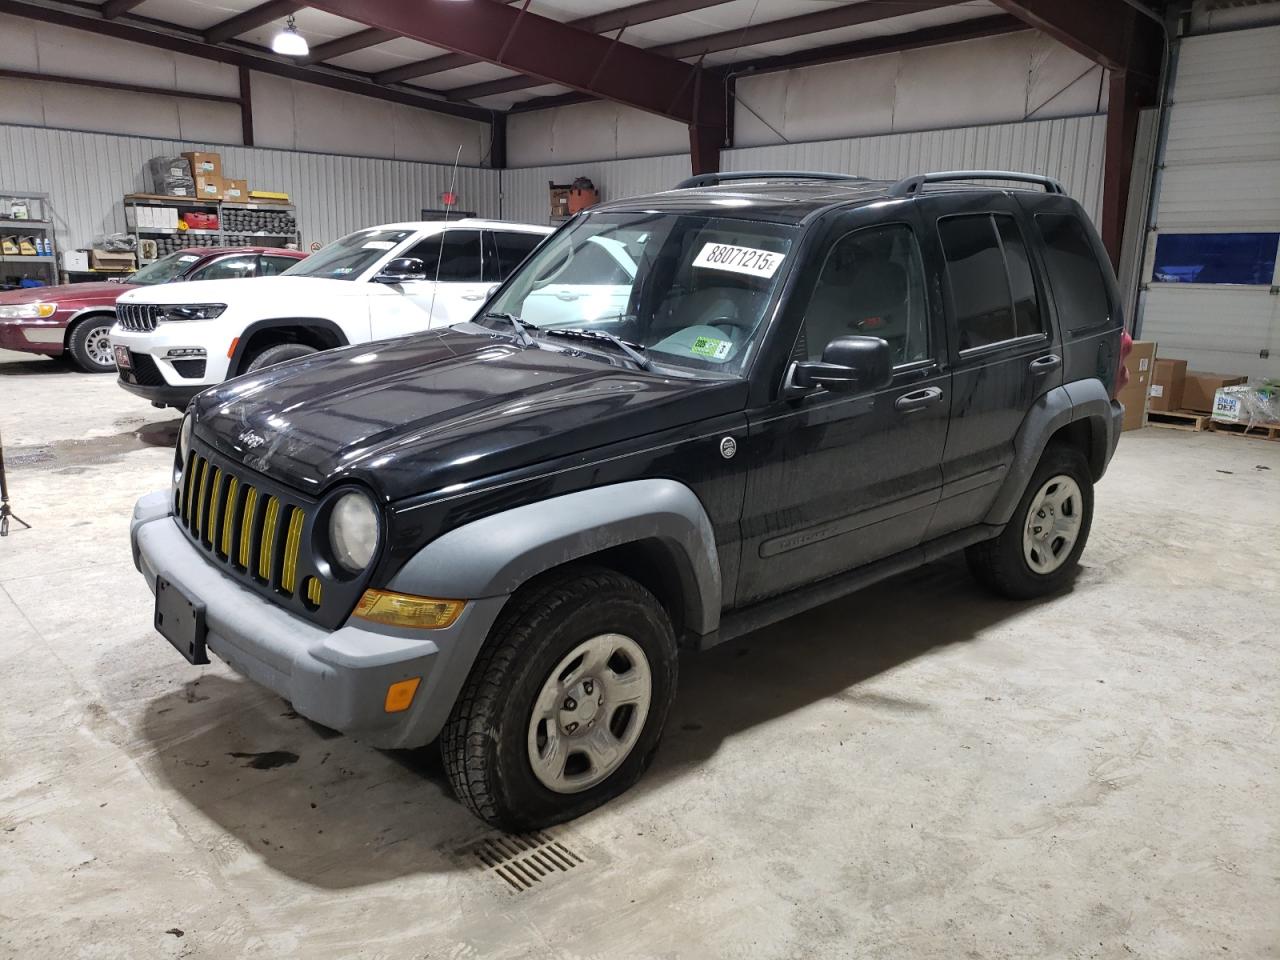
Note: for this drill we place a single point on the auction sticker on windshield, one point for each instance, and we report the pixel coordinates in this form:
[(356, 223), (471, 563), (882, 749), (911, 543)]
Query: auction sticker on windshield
[(747, 260), (711, 347)]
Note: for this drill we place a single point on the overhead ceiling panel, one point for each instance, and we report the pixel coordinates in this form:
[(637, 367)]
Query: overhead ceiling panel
[(194, 16), (734, 15), (504, 101), (384, 56), (315, 25), (463, 76)]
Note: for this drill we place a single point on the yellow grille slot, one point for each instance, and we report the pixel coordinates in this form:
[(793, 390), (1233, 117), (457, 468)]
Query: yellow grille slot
[(266, 553), (289, 575), (215, 504), (202, 498), (191, 488), (246, 525), (228, 515), (313, 591)]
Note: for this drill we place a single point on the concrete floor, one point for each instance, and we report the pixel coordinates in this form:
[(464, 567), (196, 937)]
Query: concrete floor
[(918, 771)]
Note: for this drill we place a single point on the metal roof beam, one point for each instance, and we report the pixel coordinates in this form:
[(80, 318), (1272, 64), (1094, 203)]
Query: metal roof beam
[(1108, 32), (359, 40), (854, 14), (540, 47), (251, 19), (113, 8), (606, 22)]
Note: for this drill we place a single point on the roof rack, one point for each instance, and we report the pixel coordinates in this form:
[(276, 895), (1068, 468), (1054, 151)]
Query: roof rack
[(910, 186), (715, 179)]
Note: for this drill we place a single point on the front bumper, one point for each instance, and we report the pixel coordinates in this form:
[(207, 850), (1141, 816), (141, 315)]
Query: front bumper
[(166, 396), (31, 336), (162, 379), (337, 678)]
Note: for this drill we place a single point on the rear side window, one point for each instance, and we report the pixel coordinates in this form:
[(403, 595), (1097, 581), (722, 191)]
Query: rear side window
[(511, 249), (1078, 283), (993, 291), (457, 258), (270, 266)]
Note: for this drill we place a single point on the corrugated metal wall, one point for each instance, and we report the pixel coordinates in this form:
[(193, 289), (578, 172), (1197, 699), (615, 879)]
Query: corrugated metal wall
[(1221, 173), (87, 174), (1068, 148), (524, 190)]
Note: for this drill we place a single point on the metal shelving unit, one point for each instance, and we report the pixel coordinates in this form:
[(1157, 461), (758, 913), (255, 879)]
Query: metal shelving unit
[(39, 227), (220, 207)]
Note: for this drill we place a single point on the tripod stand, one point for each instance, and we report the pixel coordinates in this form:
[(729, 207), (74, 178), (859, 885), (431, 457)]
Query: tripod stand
[(5, 511)]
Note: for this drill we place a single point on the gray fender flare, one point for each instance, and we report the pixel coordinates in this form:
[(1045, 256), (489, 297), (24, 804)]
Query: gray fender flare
[(495, 555), (1080, 400)]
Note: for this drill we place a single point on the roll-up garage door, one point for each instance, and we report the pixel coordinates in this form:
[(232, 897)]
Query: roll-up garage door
[(1210, 294)]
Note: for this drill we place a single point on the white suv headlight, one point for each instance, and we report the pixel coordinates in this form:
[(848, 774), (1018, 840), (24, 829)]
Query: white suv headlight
[(28, 311), (192, 311), (353, 531)]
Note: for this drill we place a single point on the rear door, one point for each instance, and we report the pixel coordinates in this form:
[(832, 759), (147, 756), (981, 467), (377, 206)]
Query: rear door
[(1003, 347)]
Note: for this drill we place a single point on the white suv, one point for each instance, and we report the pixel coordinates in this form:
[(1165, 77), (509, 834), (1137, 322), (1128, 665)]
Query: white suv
[(172, 342)]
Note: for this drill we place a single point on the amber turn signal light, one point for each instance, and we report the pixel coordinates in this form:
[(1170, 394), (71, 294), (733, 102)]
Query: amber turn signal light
[(400, 695), (406, 610)]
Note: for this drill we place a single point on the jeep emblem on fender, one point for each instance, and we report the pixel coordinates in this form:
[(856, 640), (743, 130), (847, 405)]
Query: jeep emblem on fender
[(728, 447)]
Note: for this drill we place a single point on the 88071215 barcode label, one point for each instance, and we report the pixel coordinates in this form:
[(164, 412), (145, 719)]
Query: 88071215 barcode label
[(745, 260)]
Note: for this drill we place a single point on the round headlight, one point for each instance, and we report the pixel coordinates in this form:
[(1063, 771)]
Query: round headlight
[(184, 438), (353, 531)]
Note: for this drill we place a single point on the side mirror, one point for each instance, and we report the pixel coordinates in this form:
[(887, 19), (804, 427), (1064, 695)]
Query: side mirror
[(400, 270), (848, 365)]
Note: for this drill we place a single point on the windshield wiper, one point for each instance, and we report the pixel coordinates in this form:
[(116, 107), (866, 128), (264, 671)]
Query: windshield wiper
[(632, 350), (520, 325)]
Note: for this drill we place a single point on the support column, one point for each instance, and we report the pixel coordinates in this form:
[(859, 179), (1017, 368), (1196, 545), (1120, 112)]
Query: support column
[(246, 108), (1124, 102)]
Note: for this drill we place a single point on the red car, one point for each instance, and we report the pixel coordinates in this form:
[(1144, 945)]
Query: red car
[(76, 318)]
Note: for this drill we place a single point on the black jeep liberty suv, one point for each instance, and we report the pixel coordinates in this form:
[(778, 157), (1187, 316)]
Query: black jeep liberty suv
[(683, 417)]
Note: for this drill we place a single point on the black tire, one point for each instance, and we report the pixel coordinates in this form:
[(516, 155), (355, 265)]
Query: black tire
[(83, 345), (485, 742), (1001, 564), (278, 354)]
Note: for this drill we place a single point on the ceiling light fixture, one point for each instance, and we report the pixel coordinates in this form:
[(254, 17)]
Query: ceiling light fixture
[(290, 42)]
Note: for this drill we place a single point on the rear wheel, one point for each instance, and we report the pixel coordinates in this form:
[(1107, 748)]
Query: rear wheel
[(565, 705), (278, 354), (1042, 543), (90, 345)]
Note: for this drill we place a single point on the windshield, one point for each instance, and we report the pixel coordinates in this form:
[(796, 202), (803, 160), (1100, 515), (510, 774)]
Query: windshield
[(350, 257), (690, 288), (165, 269)]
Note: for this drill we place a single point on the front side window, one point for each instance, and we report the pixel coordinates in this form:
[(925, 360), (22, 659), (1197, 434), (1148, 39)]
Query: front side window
[(510, 249), (350, 257), (1079, 286), (450, 257), (228, 268), (993, 293), (692, 289), (872, 284), (1229, 258)]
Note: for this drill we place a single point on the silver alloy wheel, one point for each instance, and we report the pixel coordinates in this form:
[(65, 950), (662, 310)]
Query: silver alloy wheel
[(589, 713), (98, 347), (1053, 524)]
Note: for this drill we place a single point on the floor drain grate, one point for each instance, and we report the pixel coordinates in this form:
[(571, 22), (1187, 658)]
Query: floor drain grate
[(524, 860)]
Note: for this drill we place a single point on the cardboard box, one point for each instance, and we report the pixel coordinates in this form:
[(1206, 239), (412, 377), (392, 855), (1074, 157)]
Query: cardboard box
[(236, 191), (1139, 363), (104, 260), (209, 187), (1167, 381), (1199, 389), (559, 198), (204, 164), (75, 261)]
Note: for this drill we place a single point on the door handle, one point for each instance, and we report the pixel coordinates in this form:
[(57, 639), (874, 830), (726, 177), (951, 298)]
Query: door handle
[(918, 399), (473, 296), (1043, 365)]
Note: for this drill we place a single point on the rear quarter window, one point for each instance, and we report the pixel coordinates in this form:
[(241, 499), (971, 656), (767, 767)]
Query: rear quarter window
[(1075, 276)]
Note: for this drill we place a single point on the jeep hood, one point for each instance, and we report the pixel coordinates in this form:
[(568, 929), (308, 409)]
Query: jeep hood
[(418, 414), (245, 289)]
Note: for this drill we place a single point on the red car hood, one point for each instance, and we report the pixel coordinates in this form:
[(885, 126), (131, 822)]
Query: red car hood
[(69, 294)]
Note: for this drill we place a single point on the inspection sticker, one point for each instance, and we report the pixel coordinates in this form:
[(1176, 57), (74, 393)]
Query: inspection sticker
[(752, 262), (711, 347)]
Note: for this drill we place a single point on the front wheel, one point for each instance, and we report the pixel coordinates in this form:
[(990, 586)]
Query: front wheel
[(1040, 547), (565, 705), (279, 354), (90, 345)]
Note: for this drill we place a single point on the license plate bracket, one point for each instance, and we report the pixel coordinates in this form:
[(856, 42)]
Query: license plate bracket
[(122, 357), (181, 620)]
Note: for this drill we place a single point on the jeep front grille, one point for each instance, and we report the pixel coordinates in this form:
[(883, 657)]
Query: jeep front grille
[(138, 317), (255, 532)]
